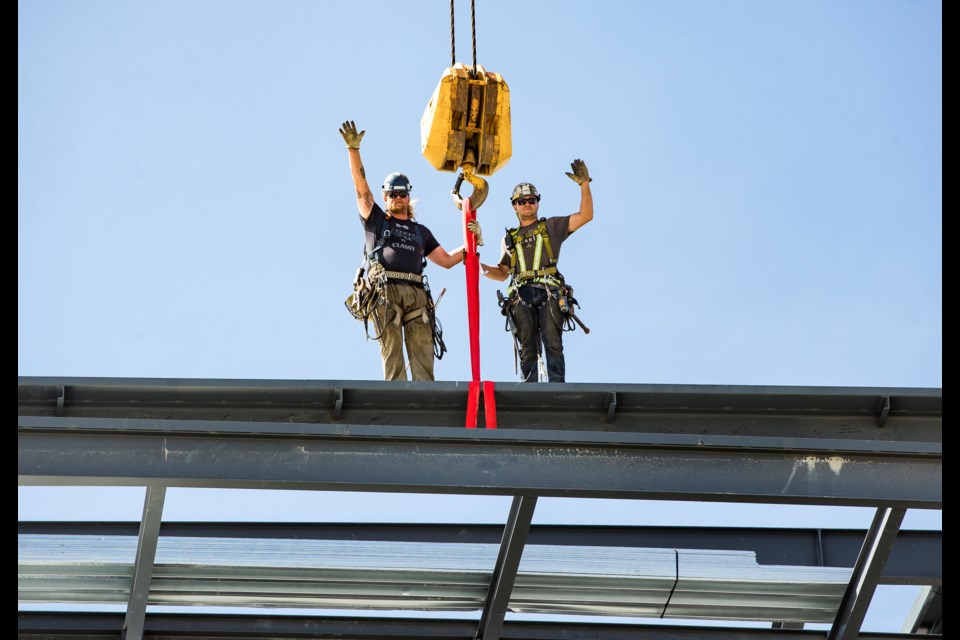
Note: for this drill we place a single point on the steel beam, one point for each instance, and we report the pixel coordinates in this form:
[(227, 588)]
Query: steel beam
[(839, 413), (143, 563), (927, 614), (66, 451), (877, 447), (100, 626), (916, 557), (505, 570), (866, 573)]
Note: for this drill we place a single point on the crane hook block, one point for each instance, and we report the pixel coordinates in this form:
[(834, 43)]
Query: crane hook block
[(467, 122)]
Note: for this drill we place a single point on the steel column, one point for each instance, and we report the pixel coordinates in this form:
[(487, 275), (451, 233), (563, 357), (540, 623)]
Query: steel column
[(143, 564), (866, 573)]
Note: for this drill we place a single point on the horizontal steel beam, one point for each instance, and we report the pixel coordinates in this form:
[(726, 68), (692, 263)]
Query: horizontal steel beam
[(840, 413), (92, 451), (99, 626), (916, 558), (876, 447)]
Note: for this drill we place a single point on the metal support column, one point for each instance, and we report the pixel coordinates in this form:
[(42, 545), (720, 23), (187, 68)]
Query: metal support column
[(866, 573), (143, 565), (505, 571)]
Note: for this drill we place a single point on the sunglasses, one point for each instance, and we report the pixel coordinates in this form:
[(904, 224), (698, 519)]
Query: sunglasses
[(397, 194), (522, 201)]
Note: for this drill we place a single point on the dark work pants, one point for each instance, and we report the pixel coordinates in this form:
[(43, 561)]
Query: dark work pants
[(538, 320)]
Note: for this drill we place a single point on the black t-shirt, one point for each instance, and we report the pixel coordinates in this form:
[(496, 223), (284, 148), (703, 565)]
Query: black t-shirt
[(405, 249)]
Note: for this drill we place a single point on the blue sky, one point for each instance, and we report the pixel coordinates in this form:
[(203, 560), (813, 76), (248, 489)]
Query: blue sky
[(767, 184)]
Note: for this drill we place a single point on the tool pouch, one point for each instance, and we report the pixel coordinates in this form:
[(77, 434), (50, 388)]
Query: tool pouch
[(357, 302)]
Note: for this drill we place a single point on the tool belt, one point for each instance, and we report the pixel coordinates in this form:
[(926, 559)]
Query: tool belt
[(562, 293), (404, 277), (365, 297), (548, 277), (537, 275), (370, 294)]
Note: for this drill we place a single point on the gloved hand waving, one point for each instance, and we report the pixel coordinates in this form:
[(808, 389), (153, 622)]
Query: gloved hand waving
[(349, 132), (580, 173)]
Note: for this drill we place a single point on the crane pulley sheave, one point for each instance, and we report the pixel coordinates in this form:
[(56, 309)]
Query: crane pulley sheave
[(466, 125)]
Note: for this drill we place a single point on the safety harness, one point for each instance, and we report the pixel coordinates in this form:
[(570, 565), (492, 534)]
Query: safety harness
[(371, 291), (523, 274)]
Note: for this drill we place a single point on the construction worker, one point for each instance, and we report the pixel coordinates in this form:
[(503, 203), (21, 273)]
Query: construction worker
[(539, 303), (397, 248)]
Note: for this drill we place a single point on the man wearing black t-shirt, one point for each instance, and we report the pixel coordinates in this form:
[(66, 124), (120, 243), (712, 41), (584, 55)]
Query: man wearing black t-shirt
[(397, 248)]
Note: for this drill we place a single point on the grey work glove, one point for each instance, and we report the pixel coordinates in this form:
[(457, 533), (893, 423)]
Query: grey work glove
[(474, 227), (349, 132), (580, 173)]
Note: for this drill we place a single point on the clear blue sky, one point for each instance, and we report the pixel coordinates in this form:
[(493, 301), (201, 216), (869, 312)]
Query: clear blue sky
[(767, 184)]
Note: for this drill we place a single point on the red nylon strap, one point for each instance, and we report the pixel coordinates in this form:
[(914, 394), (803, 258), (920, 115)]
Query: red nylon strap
[(489, 404), (471, 262), (473, 404)]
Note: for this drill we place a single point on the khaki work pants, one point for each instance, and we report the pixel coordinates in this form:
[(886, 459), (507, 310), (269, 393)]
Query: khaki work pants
[(416, 335)]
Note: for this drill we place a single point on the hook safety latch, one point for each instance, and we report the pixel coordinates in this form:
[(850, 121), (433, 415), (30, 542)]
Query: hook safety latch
[(480, 190)]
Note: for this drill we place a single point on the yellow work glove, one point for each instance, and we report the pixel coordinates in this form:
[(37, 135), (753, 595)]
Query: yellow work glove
[(580, 173), (474, 227), (349, 132)]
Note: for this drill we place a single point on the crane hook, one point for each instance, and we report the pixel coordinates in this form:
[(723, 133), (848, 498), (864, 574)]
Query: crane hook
[(480, 189)]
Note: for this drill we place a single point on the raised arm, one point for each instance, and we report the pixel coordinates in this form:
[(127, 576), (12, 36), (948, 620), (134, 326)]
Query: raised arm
[(364, 196), (581, 176)]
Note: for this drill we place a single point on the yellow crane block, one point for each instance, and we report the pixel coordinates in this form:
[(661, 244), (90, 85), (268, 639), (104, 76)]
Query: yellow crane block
[(467, 122)]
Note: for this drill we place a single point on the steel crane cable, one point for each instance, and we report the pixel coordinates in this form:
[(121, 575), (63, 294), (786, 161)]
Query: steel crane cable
[(453, 40)]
